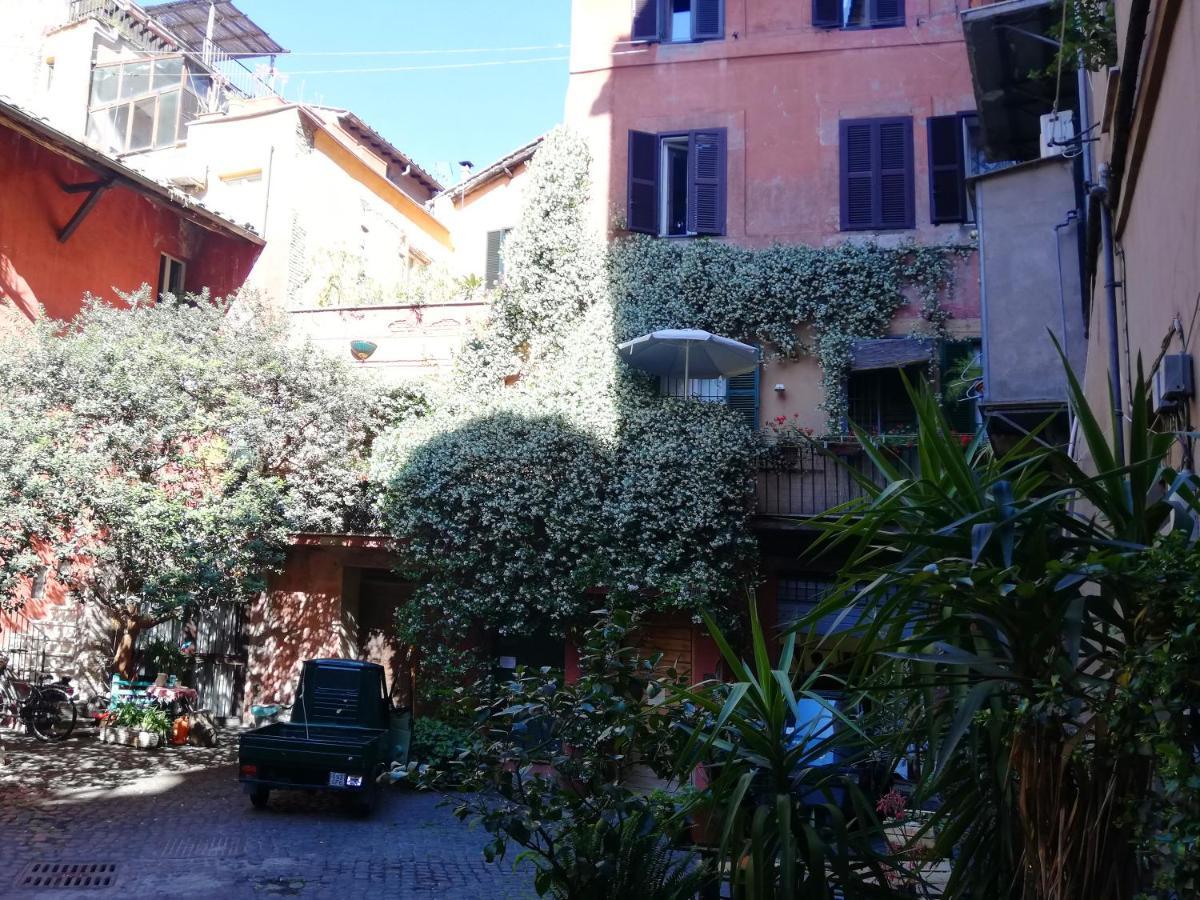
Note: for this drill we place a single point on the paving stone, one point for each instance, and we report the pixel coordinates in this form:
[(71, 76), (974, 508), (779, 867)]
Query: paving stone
[(177, 824)]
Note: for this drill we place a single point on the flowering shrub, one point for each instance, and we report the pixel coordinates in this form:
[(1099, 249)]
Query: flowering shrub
[(547, 467), (786, 430), (796, 299)]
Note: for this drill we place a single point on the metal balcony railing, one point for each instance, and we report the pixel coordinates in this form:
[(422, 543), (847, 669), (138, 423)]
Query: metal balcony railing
[(811, 479)]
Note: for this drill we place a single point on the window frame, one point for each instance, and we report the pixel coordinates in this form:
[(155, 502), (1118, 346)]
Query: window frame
[(873, 22), (181, 87), (659, 13), (639, 184), (166, 263)]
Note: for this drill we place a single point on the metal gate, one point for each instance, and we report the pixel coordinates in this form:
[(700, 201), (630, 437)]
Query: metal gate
[(220, 634)]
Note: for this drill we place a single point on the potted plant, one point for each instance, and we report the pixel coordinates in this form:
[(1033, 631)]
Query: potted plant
[(133, 725), (785, 435), (904, 828)]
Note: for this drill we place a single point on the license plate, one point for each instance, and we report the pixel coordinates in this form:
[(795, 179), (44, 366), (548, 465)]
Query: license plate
[(337, 779)]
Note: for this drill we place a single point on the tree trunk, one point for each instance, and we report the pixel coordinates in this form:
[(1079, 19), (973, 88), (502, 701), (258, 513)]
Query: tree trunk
[(123, 658)]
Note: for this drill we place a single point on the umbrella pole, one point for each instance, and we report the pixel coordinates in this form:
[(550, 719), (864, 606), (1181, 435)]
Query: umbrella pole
[(687, 384)]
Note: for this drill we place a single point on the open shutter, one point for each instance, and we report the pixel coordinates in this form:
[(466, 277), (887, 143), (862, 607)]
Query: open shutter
[(642, 211), (491, 272), (947, 196), (706, 181), (856, 144), (886, 13), (647, 21), (895, 182), (741, 395), (827, 13), (707, 20)]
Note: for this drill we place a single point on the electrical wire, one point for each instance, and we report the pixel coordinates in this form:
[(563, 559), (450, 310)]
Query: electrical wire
[(470, 65), (1062, 37), (426, 52)]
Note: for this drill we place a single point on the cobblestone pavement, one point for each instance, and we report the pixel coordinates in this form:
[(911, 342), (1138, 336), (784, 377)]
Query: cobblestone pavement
[(176, 824)]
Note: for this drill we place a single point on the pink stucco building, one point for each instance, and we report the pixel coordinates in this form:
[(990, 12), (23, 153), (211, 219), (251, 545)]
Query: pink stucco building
[(795, 122)]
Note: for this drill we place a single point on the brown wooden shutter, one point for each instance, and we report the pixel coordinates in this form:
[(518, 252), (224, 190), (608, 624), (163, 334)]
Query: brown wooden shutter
[(896, 174), (708, 20), (647, 20), (827, 13), (887, 13), (642, 210), (856, 146), (706, 182), (947, 191)]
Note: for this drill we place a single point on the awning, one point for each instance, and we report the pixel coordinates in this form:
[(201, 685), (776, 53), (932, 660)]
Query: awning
[(890, 353), (233, 31), (1008, 43)]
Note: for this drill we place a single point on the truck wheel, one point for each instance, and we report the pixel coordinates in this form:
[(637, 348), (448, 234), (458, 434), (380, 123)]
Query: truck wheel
[(259, 797)]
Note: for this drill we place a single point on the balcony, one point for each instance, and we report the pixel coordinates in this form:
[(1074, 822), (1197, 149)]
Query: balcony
[(809, 480)]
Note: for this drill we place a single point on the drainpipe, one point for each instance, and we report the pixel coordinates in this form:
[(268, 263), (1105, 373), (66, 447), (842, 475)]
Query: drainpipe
[(1099, 195), (1072, 218), (1085, 117)]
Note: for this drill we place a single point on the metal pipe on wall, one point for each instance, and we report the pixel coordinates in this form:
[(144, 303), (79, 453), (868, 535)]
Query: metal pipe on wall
[(1100, 195)]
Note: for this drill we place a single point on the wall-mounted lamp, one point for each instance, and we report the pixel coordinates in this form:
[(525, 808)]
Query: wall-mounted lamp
[(362, 350), (779, 388)]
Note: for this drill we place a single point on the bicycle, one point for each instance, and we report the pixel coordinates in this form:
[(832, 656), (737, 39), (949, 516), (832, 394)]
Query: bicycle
[(44, 706)]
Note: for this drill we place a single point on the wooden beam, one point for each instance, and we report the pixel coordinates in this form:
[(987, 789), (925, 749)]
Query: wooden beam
[(85, 207)]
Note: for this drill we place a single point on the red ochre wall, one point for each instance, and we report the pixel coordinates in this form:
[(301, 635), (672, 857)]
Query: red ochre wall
[(117, 246)]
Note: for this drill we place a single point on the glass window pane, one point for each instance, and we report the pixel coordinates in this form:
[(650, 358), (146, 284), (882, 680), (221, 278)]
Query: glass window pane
[(168, 119), (142, 132), (167, 72), (191, 109), (104, 84), (198, 82), (106, 128), (136, 80)]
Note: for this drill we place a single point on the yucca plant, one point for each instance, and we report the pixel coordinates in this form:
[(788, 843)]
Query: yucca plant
[(997, 594), (793, 825)]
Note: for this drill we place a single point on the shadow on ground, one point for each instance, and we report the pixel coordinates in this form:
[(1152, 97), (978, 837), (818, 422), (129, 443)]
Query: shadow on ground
[(175, 823)]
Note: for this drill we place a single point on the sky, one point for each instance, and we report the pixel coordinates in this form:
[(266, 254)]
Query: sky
[(436, 116)]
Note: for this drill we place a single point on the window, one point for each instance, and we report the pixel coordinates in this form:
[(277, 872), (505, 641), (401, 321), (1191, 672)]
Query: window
[(857, 13), (953, 155), (877, 174), (678, 21), (738, 392), (144, 104), (878, 402), (494, 265), (677, 183), (170, 276)]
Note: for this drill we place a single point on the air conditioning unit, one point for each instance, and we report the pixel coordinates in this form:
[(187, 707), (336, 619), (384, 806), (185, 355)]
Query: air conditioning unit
[(1057, 129), (1173, 382)]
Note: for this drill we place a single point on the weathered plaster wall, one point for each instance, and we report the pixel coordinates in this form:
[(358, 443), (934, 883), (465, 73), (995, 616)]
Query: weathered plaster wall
[(780, 87), (413, 341), (1157, 227), (116, 247), (1025, 297), (494, 206), (304, 613)]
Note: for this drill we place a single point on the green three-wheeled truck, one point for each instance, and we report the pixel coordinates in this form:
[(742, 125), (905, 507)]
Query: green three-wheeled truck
[(343, 735)]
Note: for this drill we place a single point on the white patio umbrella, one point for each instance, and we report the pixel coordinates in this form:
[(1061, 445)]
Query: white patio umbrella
[(689, 352)]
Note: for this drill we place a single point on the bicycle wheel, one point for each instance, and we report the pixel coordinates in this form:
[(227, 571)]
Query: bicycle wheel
[(51, 715)]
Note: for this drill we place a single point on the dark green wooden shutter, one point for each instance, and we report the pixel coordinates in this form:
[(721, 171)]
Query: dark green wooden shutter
[(493, 268), (741, 395), (887, 13)]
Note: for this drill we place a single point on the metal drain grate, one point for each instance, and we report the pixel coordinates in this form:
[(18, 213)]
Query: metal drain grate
[(68, 875)]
